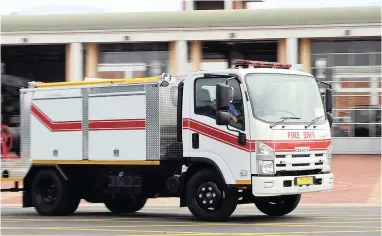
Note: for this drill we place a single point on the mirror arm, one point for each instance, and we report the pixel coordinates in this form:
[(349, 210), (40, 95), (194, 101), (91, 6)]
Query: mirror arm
[(234, 130), (327, 84), (231, 78)]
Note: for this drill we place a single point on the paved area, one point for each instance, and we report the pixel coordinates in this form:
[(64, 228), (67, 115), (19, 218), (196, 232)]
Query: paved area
[(357, 179), (335, 219)]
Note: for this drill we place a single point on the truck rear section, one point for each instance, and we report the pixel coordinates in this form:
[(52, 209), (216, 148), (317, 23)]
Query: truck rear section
[(95, 142)]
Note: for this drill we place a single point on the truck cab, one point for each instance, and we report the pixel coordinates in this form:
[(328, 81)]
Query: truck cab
[(276, 143)]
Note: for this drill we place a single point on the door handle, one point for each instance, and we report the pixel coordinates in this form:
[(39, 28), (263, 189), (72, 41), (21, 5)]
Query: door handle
[(195, 140)]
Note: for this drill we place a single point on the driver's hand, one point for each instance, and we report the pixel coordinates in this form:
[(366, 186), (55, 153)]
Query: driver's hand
[(234, 118)]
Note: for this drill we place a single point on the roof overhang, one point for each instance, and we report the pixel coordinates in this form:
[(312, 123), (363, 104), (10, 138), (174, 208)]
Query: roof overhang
[(203, 34), (192, 25)]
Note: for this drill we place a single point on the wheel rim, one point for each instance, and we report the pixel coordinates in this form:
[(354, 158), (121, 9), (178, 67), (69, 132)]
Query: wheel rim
[(208, 196), (47, 192)]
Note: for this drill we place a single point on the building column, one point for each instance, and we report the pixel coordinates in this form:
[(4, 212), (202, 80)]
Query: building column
[(374, 98), (281, 51), (238, 4), (189, 5), (292, 51), (172, 57), (67, 62), (196, 55), (228, 4), (92, 58), (74, 62), (178, 57), (181, 57), (305, 55)]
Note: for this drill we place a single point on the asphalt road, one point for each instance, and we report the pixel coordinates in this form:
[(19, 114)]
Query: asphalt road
[(95, 220)]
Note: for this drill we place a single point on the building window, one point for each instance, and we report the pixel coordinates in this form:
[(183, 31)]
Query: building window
[(353, 67), (131, 60)]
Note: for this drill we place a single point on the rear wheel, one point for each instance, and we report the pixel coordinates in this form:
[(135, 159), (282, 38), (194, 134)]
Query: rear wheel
[(278, 205), (208, 198), (120, 205), (51, 195)]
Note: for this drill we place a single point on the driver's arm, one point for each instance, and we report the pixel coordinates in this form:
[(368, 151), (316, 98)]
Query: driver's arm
[(233, 110)]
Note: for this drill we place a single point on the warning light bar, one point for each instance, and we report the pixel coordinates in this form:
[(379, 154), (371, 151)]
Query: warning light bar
[(259, 64)]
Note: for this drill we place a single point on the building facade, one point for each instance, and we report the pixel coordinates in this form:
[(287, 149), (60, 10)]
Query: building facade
[(340, 46)]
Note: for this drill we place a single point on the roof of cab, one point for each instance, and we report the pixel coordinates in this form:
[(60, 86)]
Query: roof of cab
[(244, 71)]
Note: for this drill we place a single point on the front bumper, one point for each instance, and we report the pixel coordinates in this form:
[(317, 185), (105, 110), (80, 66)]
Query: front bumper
[(280, 185)]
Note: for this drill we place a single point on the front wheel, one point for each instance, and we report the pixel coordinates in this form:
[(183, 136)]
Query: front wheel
[(278, 205), (208, 198)]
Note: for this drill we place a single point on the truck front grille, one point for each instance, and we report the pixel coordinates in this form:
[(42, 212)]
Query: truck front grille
[(288, 164), (298, 172)]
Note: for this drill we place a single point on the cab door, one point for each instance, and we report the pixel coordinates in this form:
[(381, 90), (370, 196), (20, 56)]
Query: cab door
[(219, 144)]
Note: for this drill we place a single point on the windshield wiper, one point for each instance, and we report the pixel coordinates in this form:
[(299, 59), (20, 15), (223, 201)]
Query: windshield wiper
[(313, 121), (284, 119)]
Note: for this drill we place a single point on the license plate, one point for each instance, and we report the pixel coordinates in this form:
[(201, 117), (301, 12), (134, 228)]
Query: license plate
[(304, 181)]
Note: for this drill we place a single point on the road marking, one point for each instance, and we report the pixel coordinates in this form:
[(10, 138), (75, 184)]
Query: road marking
[(151, 220), (154, 205), (190, 233), (375, 196), (91, 228), (182, 224), (230, 225), (193, 233)]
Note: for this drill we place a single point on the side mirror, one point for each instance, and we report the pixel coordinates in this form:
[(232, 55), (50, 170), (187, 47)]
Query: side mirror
[(329, 100), (242, 138), (330, 119), (222, 118), (222, 97)]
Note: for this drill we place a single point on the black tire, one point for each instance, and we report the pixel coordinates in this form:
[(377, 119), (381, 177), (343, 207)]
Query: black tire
[(278, 205), (138, 204), (224, 207), (59, 200), (120, 205)]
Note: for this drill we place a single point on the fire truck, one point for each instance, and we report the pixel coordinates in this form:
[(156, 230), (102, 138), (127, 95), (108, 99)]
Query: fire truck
[(257, 133)]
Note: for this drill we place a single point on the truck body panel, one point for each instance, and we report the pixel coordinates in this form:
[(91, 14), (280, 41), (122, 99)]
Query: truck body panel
[(97, 122)]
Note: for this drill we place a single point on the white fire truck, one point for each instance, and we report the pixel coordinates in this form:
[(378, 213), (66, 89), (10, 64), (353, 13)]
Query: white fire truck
[(257, 133)]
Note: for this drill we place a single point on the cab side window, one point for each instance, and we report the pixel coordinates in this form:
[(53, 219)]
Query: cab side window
[(204, 100)]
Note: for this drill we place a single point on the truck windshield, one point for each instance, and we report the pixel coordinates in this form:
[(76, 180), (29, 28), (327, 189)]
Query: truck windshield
[(274, 96)]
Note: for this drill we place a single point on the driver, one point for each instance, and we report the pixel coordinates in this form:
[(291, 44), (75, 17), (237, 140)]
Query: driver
[(232, 108)]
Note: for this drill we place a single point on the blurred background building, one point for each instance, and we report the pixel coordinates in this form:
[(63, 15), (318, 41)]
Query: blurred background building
[(338, 45)]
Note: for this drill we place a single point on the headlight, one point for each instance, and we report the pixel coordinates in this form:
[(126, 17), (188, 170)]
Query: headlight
[(328, 160), (264, 150), (265, 156), (266, 167)]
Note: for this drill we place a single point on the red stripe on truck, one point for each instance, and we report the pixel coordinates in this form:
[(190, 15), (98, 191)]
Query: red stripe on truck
[(62, 126), (231, 139), (217, 134), (288, 146)]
